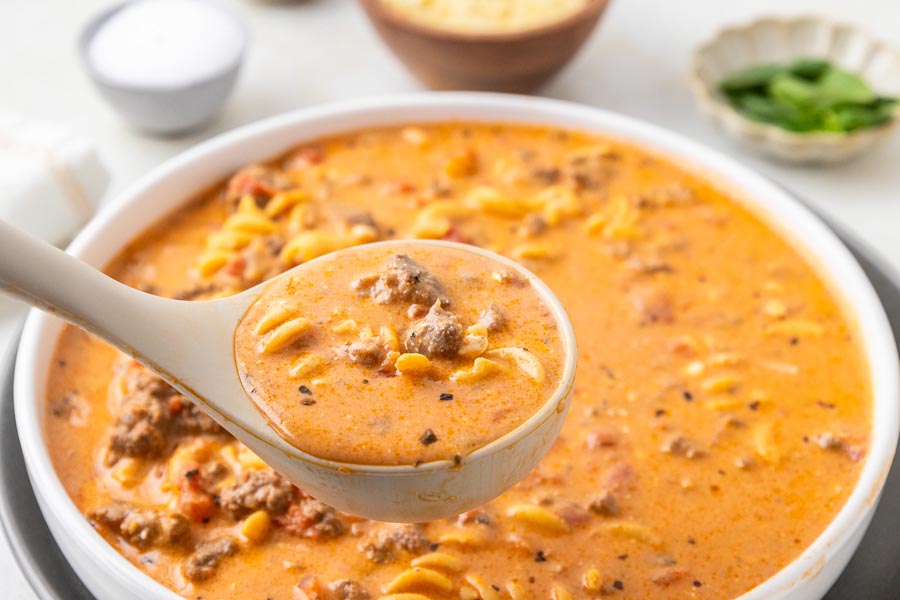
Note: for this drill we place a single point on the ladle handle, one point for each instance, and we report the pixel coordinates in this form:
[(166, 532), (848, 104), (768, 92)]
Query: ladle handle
[(50, 279)]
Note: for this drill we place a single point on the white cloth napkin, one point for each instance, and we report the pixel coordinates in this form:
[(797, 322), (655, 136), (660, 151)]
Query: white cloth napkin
[(51, 179)]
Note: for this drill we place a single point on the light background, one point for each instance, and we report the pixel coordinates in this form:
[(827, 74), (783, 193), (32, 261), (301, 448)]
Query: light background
[(311, 51)]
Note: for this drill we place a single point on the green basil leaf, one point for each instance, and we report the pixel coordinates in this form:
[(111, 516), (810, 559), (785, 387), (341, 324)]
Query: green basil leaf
[(885, 102), (750, 78), (841, 87), (766, 110), (832, 121), (808, 68), (807, 94), (794, 91), (854, 117)]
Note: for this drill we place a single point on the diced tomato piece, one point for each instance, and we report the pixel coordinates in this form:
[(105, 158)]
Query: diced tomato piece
[(245, 183), (393, 188), (455, 235), (236, 266), (194, 501), (304, 157), (294, 520), (176, 404), (196, 506)]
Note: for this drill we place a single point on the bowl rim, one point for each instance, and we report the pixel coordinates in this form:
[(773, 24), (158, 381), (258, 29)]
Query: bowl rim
[(707, 95), (806, 234), (377, 10)]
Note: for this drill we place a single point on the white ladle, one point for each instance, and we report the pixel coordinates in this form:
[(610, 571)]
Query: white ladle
[(191, 346)]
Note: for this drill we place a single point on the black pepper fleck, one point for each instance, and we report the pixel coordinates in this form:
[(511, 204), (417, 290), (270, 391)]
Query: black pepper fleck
[(688, 396), (540, 557), (660, 412), (618, 585), (433, 547), (691, 541), (794, 341), (305, 390), (457, 459), (191, 473), (753, 406), (622, 557), (307, 401), (697, 583), (823, 404), (445, 396), (365, 381), (428, 437)]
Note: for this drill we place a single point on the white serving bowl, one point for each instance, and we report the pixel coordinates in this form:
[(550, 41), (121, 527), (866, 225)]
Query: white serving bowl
[(781, 40), (111, 577)]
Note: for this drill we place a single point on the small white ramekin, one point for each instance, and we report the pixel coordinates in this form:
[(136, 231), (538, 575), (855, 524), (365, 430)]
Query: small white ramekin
[(110, 576), (781, 40), (168, 110)]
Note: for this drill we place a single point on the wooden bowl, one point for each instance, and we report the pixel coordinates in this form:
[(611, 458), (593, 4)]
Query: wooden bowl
[(518, 61)]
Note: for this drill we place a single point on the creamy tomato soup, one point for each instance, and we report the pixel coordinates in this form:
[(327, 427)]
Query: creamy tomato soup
[(721, 412), (399, 355)]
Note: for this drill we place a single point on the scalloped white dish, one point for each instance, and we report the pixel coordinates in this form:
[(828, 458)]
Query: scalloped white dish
[(780, 40)]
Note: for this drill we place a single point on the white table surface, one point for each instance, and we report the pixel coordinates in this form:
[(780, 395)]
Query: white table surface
[(307, 52)]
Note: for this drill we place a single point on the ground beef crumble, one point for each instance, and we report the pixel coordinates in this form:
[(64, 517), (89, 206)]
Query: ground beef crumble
[(368, 353), (493, 318), (257, 490), (347, 589), (142, 528), (207, 556), (385, 541), (151, 415), (402, 280), (310, 518), (438, 334)]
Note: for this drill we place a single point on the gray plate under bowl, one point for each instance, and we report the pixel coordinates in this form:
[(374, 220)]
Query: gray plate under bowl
[(873, 573)]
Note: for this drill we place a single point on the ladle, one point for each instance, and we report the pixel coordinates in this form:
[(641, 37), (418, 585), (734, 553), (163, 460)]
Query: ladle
[(191, 346)]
